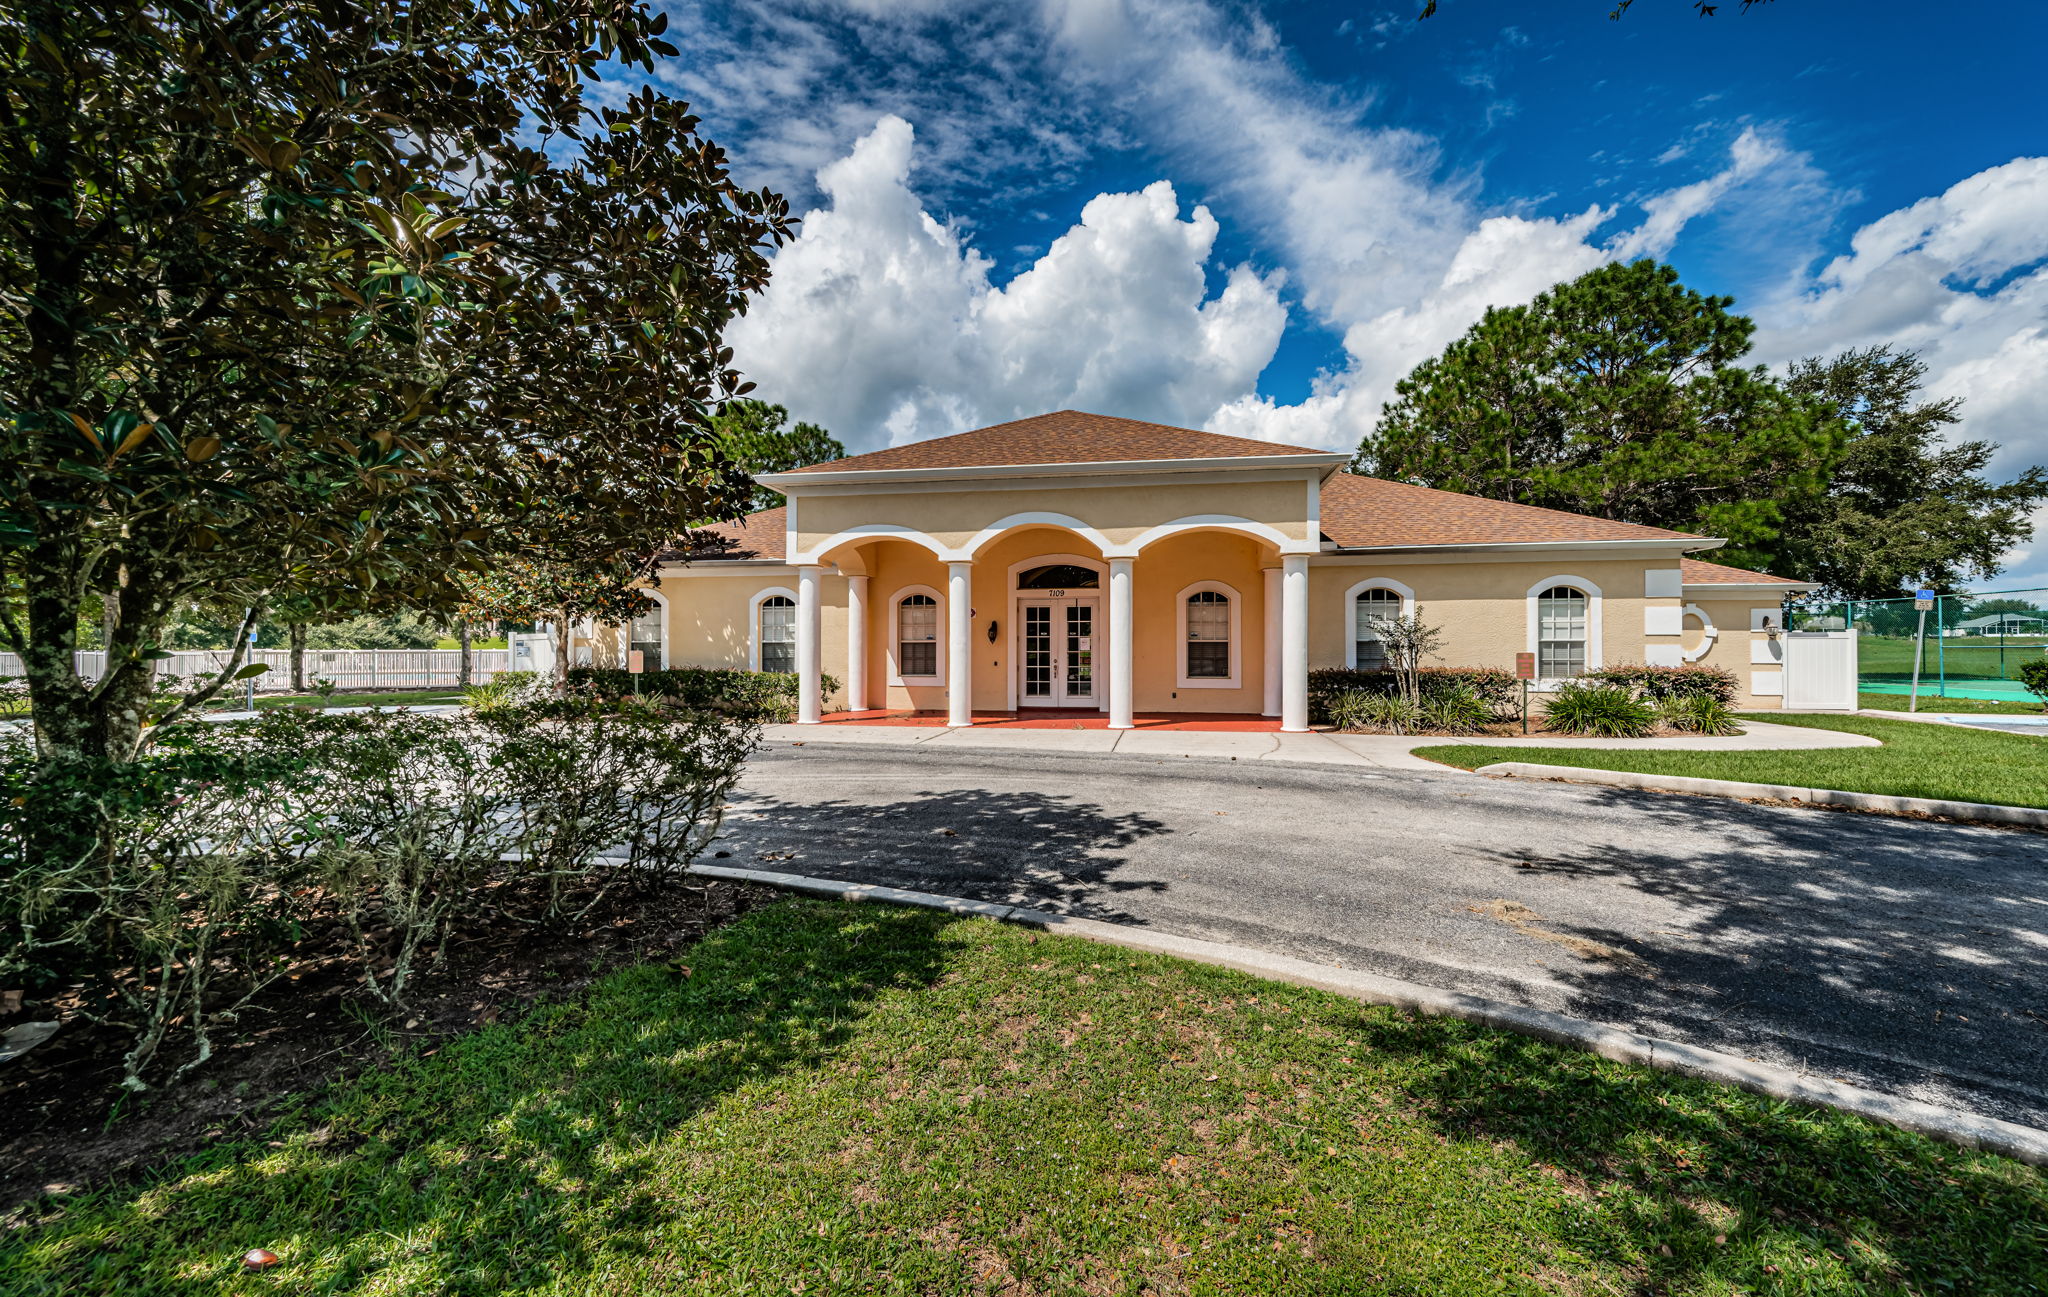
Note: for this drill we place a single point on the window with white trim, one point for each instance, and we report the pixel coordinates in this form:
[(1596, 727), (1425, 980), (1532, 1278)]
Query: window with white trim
[(646, 636), (1208, 644), (1369, 609), (777, 633), (1561, 622), (917, 636)]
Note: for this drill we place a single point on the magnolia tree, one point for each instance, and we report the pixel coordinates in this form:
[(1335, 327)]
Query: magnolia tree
[(562, 594), (342, 297)]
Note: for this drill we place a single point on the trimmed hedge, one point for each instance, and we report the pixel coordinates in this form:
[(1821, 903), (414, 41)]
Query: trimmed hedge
[(1496, 687), (1668, 684), (753, 695)]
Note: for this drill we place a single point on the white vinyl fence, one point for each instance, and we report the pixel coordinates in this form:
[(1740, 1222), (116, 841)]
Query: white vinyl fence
[(347, 668)]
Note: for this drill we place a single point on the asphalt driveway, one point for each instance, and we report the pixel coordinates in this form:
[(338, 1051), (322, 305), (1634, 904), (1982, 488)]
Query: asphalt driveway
[(1907, 956)]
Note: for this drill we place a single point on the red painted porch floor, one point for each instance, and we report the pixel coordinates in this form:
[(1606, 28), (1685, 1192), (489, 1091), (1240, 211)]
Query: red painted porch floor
[(1063, 719)]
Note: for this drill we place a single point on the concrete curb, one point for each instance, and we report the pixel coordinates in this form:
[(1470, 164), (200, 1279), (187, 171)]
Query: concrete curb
[(1965, 1130), (1985, 812)]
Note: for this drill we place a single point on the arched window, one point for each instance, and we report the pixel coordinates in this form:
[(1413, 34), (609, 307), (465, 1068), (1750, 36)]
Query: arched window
[(777, 633), (1208, 635), (1369, 609), (917, 636), (647, 636), (1561, 623), (1059, 576)]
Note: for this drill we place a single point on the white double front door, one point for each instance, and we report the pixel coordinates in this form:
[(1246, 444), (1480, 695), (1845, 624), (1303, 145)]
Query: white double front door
[(1058, 652)]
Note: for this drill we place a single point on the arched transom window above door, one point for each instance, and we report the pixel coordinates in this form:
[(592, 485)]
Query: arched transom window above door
[(1059, 576)]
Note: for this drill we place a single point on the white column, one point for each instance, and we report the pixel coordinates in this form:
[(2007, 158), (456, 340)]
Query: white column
[(809, 706), (1120, 643), (1294, 644), (1272, 653), (856, 643), (959, 644)]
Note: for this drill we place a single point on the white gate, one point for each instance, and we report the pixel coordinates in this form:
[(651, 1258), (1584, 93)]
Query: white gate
[(1820, 671)]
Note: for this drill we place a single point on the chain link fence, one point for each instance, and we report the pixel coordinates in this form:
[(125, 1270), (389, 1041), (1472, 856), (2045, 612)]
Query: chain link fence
[(1974, 645)]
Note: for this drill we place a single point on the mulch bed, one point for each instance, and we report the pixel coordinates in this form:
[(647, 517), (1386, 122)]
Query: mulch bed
[(64, 1123)]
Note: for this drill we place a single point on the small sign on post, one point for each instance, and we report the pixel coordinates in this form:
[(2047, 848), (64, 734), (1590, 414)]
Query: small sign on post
[(1525, 671), (1923, 600), (636, 661)]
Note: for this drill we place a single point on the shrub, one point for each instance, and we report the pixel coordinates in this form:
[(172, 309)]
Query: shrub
[(1388, 713), (1455, 711), (1498, 689), (503, 690), (2034, 675), (179, 886), (1655, 684), (750, 695), (169, 886), (1698, 714), (1599, 711)]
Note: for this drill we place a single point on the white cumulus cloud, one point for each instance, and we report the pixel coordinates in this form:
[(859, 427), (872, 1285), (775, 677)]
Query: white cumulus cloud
[(885, 326)]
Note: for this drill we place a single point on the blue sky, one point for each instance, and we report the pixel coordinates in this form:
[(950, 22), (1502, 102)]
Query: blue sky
[(1255, 217)]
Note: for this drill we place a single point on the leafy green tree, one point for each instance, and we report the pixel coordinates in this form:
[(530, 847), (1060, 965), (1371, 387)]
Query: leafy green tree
[(561, 594), (340, 301), (1904, 508), (1616, 394), (752, 436)]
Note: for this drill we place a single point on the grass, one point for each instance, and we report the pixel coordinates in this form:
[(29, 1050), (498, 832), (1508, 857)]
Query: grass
[(1935, 703), (398, 698), (1918, 759), (842, 1099)]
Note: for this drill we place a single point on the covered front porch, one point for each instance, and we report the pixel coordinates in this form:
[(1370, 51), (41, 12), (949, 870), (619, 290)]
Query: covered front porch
[(1043, 622), (1062, 719)]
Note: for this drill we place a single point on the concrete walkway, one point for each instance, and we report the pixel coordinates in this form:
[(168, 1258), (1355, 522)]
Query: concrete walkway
[(1384, 751)]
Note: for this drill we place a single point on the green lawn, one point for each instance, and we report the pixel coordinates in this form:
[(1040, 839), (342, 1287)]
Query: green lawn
[(1918, 759), (860, 1099), (232, 699), (1935, 703)]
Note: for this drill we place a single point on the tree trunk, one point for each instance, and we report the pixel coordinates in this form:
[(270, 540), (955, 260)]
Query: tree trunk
[(464, 665), (565, 633), (297, 636)]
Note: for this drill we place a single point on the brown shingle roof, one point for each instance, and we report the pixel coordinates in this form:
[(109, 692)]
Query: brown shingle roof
[(1702, 573), (1358, 513), (1369, 513), (758, 535), (1064, 437)]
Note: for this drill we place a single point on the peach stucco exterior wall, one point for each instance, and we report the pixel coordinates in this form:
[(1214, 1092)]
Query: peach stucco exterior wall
[(1158, 576)]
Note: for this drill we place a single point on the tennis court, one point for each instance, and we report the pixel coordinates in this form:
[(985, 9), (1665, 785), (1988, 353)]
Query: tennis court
[(1974, 646)]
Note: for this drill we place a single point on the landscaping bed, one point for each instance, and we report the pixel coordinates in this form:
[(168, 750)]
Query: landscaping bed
[(1917, 759), (833, 1098), (64, 1123)]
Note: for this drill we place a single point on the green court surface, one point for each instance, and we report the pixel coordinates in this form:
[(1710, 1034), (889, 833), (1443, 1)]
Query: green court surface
[(1976, 666)]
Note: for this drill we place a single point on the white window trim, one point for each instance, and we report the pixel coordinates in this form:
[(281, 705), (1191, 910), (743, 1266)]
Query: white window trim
[(667, 631), (1351, 611), (895, 628), (754, 622), (1180, 638), (1595, 659)]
